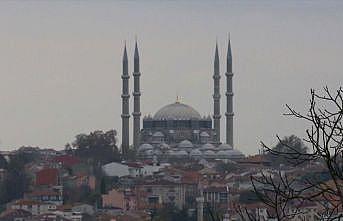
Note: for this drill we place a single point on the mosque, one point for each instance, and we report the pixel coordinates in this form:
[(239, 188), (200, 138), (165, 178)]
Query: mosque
[(178, 131)]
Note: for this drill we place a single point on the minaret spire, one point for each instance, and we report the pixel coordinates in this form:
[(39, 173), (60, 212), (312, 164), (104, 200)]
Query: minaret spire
[(125, 105), (216, 96), (229, 96), (136, 97), (136, 58), (229, 57)]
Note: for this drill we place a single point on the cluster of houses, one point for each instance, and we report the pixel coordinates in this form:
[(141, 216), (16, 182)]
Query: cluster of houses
[(140, 188)]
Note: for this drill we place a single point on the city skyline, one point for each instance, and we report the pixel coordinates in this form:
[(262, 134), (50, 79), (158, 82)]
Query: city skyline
[(61, 64)]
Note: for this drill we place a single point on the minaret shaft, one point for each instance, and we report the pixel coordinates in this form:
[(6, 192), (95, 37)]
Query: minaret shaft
[(136, 99), (216, 97), (125, 106), (229, 97)]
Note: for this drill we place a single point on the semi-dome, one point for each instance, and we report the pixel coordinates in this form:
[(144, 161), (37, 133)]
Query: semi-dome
[(230, 154), (195, 152), (144, 147), (177, 111), (223, 154), (224, 146), (164, 146), (170, 152), (235, 153), (158, 134), (185, 144), (207, 146), (181, 153), (157, 152), (209, 153), (204, 134), (149, 152)]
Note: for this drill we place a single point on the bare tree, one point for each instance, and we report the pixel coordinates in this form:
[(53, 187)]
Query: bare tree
[(283, 193)]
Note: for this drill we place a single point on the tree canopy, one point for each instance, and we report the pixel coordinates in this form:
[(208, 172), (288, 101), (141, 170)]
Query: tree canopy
[(283, 189), (226, 167), (290, 145), (3, 162), (97, 147), (172, 213), (16, 181)]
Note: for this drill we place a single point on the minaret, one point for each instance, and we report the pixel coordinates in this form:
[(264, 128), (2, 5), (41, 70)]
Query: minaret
[(216, 96), (125, 106), (229, 97), (136, 98)]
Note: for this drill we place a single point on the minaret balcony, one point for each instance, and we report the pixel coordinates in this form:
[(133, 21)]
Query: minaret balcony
[(125, 96), (229, 114), (216, 96), (136, 74), (229, 74), (136, 114)]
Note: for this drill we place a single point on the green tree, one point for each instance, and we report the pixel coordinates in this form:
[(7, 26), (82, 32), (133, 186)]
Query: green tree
[(292, 145), (172, 213), (97, 147), (324, 136), (81, 194), (68, 148), (226, 167), (103, 186), (3, 162), (16, 181), (131, 154)]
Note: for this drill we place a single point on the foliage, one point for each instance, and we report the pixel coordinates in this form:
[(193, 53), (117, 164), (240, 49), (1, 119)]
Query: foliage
[(212, 213), (82, 194), (16, 181), (291, 145), (281, 190), (103, 186), (247, 197), (3, 162), (226, 167), (97, 148), (131, 153), (107, 183), (172, 213)]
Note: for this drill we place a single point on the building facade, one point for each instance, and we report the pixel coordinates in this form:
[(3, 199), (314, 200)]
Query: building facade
[(178, 131)]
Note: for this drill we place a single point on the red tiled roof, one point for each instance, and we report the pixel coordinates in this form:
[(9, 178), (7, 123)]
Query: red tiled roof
[(27, 202), (156, 183), (48, 176), (65, 207), (67, 160), (190, 177), (255, 159)]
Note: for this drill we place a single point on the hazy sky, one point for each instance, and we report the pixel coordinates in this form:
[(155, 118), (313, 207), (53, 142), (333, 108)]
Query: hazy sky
[(60, 63)]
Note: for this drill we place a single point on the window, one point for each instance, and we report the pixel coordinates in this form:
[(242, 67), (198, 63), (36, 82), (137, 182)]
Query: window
[(153, 199), (223, 197)]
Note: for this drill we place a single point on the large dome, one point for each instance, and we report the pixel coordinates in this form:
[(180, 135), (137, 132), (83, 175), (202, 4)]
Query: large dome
[(177, 111)]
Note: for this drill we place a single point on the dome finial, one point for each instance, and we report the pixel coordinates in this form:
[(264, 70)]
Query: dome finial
[(178, 99)]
